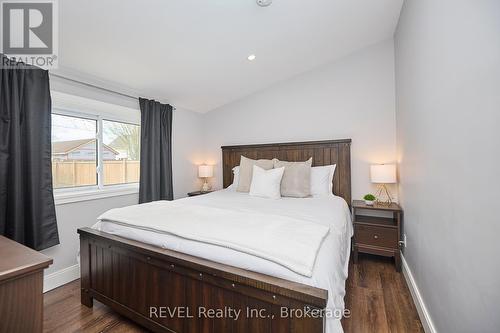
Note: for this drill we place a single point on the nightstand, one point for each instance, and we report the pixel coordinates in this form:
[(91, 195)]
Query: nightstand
[(377, 235), (195, 193)]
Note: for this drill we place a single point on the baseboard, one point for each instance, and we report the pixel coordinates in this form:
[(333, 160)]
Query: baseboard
[(59, 278), (423, 313)]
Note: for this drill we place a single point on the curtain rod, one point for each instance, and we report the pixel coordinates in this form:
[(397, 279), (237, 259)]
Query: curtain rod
[(94, 86), (100, 88)]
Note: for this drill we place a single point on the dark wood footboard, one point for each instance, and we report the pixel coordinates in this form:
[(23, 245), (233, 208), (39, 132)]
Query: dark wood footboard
[(168, 291)]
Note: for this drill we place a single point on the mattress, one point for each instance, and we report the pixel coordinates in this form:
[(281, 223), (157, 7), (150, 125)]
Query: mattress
[(331, 265)]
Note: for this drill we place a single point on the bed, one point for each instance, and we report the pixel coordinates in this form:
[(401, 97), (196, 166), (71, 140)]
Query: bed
[(137, 270)]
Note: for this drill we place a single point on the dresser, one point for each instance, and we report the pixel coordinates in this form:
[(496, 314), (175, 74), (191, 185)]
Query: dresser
[(21, 287)]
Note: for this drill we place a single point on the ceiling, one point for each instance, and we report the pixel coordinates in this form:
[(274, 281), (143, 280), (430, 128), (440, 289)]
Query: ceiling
[(193, 54)]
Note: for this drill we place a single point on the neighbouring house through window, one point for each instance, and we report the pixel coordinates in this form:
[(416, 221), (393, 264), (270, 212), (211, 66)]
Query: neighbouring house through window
[(90, 152)]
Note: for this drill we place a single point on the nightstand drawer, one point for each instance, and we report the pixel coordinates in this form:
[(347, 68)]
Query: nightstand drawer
[(376, 236)]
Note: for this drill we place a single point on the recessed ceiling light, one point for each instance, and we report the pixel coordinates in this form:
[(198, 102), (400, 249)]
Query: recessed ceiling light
[(251, 57), (264, 3)]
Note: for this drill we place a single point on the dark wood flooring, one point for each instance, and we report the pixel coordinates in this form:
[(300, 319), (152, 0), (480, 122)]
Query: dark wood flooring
[(377, 297)]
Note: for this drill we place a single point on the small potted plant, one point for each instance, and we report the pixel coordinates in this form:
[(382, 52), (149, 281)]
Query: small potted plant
[(369, 199)]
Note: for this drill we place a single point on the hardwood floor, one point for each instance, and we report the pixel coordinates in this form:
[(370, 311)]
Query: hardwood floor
[(377, 297)]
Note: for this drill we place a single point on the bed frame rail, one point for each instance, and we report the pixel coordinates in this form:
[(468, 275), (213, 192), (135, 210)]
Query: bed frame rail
[(167, 291)]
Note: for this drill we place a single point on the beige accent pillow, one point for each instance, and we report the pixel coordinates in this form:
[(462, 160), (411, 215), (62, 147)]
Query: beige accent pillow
[(296, 181), (246, 170)]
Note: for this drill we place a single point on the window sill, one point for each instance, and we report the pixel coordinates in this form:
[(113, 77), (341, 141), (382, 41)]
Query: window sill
[(77, 195)]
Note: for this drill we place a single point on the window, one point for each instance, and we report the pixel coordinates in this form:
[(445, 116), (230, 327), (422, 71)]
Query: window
[(74, 151), (120, 152), (93, 153)]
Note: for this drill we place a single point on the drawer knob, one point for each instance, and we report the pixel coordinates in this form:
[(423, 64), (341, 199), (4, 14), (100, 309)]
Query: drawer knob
[(375, 236)]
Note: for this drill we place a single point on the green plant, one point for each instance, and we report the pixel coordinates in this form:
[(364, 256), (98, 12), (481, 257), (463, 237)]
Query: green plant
[(369, 197)]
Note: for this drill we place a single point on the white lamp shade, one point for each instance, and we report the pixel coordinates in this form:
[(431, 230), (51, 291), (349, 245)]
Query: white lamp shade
[(205, 171), (383, 173)]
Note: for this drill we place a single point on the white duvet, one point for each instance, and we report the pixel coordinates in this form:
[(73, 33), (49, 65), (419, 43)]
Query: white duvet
[(288, 241), (328, 214)]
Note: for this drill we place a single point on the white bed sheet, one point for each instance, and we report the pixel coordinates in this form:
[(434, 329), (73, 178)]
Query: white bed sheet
[(331, 267)]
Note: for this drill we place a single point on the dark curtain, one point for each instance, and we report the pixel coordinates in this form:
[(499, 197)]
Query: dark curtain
[(27, 212), (156, 151)]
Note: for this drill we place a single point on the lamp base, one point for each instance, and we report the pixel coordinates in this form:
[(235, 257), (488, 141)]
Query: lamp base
[(206, 186), (382, 188)]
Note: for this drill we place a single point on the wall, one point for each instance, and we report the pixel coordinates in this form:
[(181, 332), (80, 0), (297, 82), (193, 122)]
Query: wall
[(77, 89), (447, 57), (187, 143), (352, 98), (187, 151), (72, 216)]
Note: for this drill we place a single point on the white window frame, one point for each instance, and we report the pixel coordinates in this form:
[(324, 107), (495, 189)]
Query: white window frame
[(75, 106)]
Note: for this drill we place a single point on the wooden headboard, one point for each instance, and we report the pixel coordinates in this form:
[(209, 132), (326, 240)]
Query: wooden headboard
[(322, 152)]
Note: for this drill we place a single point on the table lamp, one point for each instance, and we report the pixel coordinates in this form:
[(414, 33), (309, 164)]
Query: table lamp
[(383, 174), (205, 172)]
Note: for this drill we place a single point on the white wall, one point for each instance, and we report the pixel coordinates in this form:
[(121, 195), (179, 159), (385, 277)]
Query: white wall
[(72, 216), (187, 150), (448, 112), (352, 98), (73, 88)]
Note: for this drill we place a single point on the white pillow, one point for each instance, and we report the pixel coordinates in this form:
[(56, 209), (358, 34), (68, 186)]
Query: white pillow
[(236, 178), (246, 170), (266, 183), (321, 179)]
